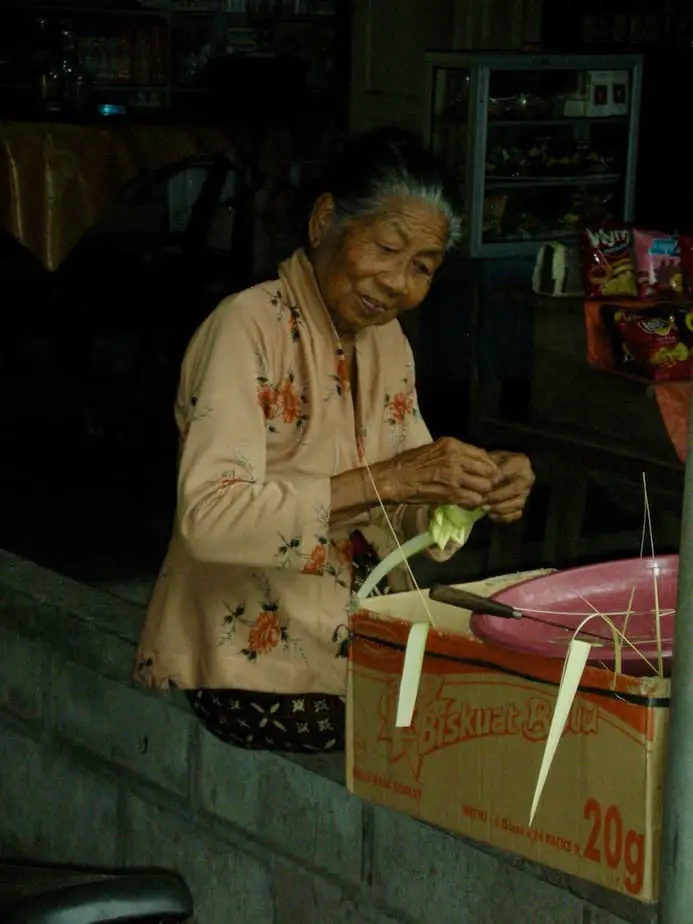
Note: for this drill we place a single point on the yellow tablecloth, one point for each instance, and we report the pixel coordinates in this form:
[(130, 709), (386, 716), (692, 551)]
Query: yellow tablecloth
[(56, 179)]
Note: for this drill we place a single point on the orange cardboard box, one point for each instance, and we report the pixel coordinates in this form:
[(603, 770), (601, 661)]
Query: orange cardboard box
[(470, 761)]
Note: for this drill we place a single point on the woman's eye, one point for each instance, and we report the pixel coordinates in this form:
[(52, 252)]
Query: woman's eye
[(423, 269), (387, 249)]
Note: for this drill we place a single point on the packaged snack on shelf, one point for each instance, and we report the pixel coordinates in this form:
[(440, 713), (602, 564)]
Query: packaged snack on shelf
[(608, 266), (686, 252), (651, 345), (658, 262)]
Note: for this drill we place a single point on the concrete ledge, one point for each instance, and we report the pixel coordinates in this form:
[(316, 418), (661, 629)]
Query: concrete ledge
[(118, 776)]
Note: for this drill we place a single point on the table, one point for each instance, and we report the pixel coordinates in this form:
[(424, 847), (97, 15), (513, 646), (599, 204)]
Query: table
[(56, 179)]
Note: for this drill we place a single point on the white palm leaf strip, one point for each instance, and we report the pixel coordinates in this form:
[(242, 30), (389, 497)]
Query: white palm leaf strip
[(418, 634), (655, 575), (578, 654), (573, 668)]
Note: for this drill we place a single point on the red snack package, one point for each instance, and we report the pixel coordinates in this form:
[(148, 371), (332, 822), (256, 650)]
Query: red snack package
[(608, 267), (658, 262), (652, 346), (686, 251)]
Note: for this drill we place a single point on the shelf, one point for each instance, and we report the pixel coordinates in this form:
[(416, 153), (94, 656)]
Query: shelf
[(130, 88), (236, 16), (255, 17), (571, 120), (177, 32), (543, 238), (601, 179), (88, 11), (147, 88)]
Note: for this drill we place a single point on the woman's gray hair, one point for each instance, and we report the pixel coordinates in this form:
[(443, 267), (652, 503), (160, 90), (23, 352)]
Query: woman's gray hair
[(386, 164)]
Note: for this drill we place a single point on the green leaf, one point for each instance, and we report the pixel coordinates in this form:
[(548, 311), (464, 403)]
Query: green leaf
[(448, 524), (452, 524)]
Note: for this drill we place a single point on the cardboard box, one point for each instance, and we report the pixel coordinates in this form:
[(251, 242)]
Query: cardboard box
[(470, 761)]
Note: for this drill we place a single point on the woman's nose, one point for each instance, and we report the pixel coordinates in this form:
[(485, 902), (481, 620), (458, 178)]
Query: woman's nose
[(395, 281)]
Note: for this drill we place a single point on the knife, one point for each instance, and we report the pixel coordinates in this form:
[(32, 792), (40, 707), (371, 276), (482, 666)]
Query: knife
[(440, 593), (465, 600)]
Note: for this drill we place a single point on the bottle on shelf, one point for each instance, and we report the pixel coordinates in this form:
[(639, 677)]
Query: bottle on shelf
[(48, 68), (72, 78)]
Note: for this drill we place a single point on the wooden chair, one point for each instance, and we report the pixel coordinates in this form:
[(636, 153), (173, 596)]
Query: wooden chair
[(137, 286)]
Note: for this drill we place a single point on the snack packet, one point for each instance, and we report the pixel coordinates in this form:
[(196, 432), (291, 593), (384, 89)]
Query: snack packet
[(658, 262), (608, 266), (652, 345)]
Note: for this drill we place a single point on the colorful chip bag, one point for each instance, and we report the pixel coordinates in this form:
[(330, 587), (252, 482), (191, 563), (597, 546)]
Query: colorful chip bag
[(652, 345), (608, 266), (658, 262)]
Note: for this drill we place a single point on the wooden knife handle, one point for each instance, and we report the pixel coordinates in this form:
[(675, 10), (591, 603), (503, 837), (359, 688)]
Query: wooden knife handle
[(440, 593)]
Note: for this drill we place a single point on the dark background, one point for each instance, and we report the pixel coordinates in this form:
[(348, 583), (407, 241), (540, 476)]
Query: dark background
[(89, 354)]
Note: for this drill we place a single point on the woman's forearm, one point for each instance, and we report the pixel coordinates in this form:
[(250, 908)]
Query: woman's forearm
[(355, 492)]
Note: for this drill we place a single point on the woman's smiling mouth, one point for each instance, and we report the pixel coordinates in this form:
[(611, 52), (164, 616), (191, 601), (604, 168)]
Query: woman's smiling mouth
[(372, 306)]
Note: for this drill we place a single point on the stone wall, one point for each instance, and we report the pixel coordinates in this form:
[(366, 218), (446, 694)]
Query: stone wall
[(98, 772)]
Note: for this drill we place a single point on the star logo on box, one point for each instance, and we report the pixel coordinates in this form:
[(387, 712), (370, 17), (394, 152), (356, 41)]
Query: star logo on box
[(447, 714)]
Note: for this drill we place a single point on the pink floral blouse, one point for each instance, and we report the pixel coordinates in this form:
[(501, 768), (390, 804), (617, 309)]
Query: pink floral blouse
[(254, 591)]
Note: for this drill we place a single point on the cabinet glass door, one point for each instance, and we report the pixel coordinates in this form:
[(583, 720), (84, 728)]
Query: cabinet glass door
[(556, 152)]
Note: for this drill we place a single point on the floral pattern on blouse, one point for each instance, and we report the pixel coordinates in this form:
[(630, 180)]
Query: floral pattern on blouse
[(280, 401), (195, 413), (266, 632), (316, 560), (341, 375), (284, 310), (231, 477), (400, 412)]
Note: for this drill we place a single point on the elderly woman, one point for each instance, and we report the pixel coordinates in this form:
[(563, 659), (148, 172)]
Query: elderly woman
[(298, 415)]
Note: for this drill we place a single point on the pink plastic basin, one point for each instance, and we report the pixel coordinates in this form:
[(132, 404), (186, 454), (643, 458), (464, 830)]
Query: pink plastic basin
[(567, 597)]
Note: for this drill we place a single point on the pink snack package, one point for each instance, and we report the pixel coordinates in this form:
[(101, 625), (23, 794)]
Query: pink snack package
[(658, 264)]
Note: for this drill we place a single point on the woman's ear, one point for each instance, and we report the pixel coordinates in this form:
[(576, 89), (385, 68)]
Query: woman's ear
[(320, 220)]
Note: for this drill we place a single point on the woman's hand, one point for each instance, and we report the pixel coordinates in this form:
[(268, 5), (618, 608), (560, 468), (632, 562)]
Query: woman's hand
[(506, 501), (444, 472)]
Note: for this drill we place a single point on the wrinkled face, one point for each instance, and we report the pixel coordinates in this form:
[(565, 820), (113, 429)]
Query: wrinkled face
[(373, 269)]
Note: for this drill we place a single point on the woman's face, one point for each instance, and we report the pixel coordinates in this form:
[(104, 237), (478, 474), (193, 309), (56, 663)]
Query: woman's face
[(374, 269)]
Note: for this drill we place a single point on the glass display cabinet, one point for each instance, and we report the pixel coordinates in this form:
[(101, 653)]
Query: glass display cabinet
[(539, 144)]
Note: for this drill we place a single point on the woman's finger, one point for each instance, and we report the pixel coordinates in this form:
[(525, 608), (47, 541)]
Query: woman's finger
[(468, 500), (513, 505), (466, 482), (505, 518), (473, 465), (437, 494), (467, 458), (504, 493)]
